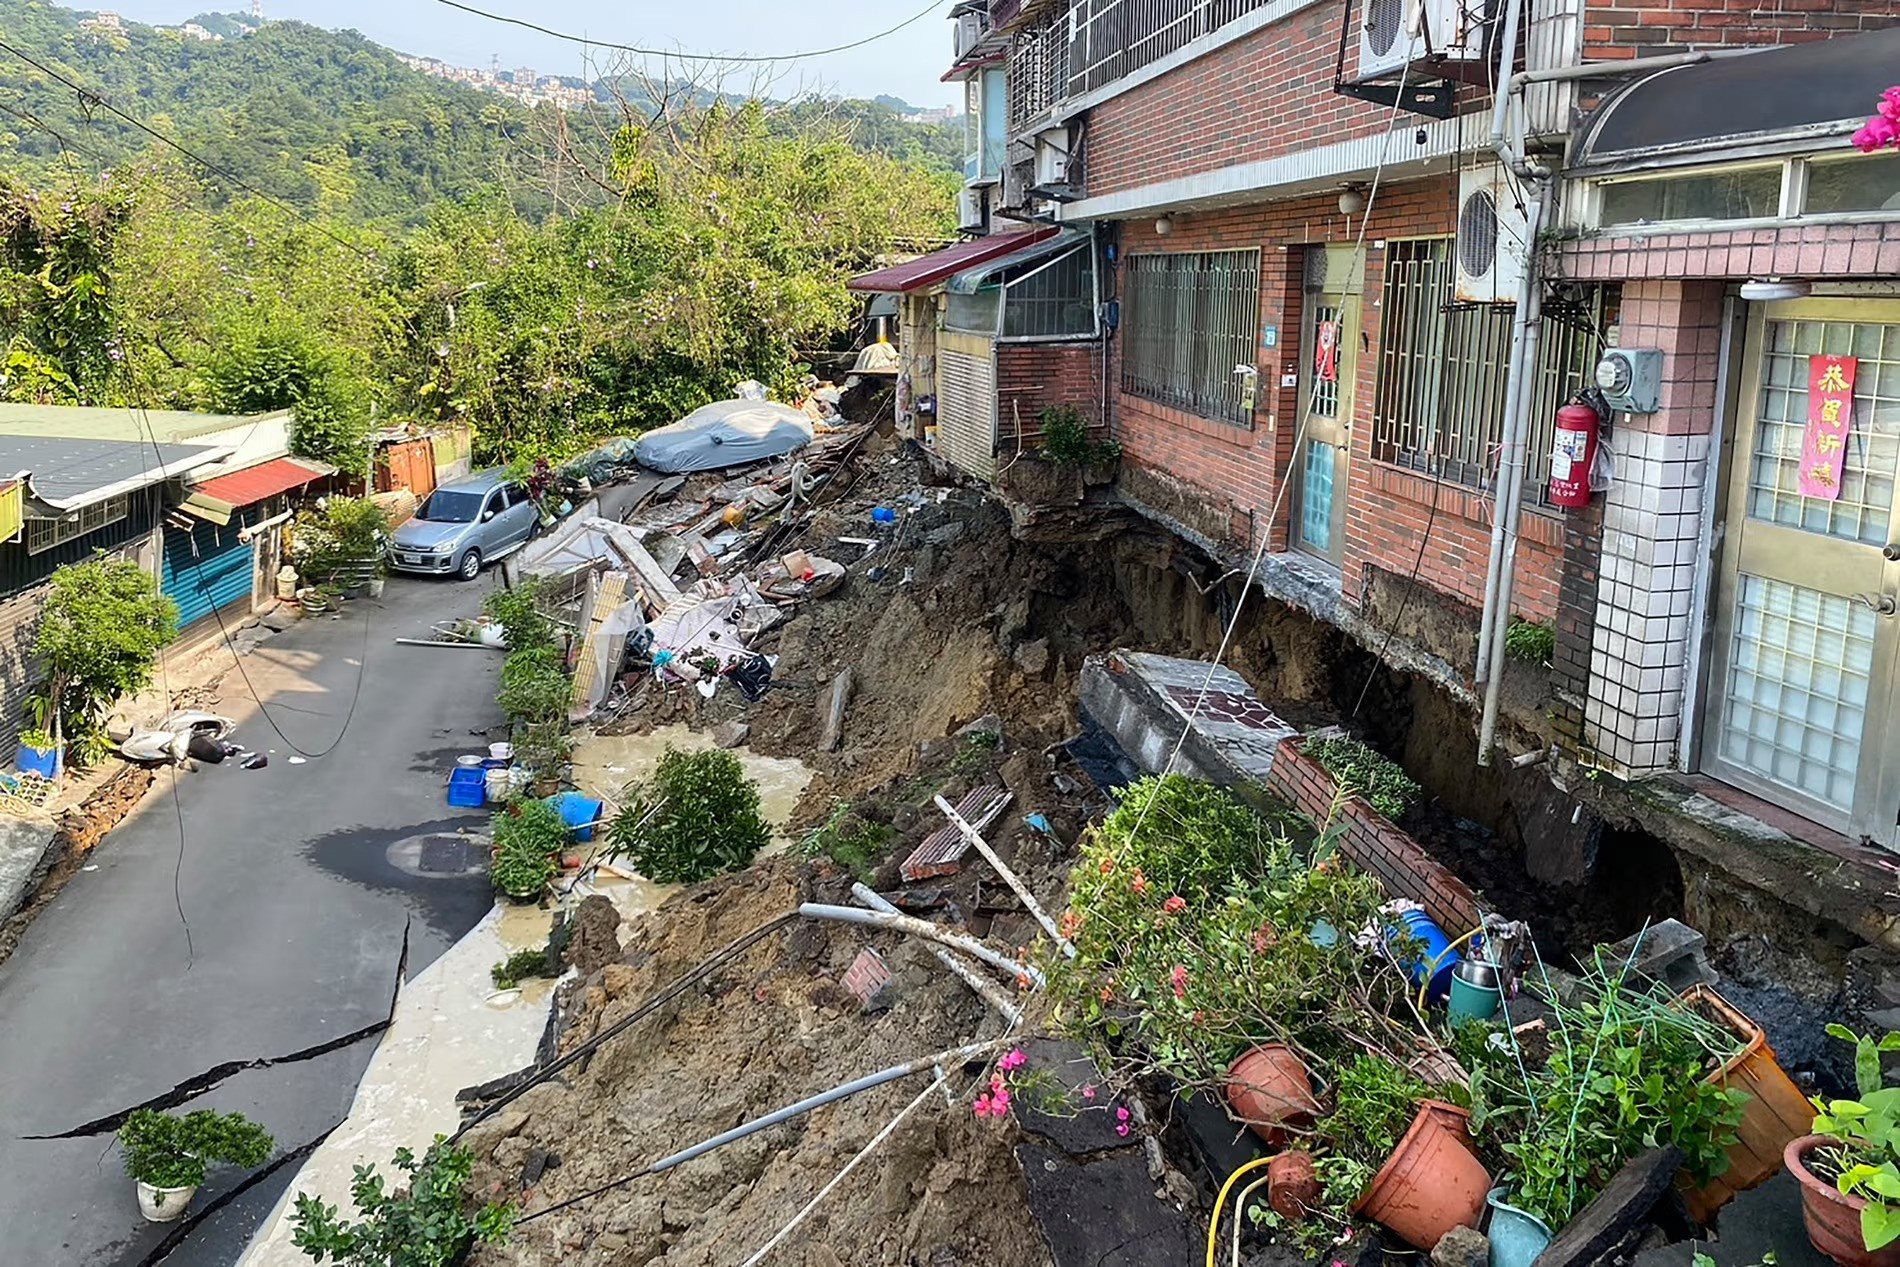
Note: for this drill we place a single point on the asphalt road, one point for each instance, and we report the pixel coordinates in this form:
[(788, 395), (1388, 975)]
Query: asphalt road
[(299, 895)]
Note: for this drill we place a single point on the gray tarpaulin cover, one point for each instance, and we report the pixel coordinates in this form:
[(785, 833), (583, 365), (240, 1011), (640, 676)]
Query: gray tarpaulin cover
[(724, 433)]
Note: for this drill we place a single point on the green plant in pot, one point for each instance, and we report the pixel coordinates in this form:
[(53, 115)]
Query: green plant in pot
[(527, 838), (167, 1155), (1849, 1168)]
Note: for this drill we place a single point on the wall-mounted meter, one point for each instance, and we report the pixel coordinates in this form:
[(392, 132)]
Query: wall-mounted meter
[(1631, 379)]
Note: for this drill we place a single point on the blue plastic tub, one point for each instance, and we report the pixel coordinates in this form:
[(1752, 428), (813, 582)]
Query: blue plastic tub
[(1420, 927), (40, 761), (579, 812), (466, 790)]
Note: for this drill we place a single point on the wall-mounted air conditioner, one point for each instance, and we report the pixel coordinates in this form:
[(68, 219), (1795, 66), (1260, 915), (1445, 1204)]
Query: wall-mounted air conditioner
[(1493, 238), (971, 210), (1052, 157), (1394, 34), (969, 32)]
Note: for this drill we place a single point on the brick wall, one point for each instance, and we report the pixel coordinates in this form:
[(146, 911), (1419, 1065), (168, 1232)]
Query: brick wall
[(1616, 28), (1267, 94), (1239, 467), (1032, 377), (1372, 843), (1794, 250)]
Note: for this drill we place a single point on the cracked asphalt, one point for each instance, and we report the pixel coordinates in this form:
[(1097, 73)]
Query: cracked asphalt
[(298, 921)]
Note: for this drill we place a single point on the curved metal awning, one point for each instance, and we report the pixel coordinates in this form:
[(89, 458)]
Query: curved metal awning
[(971, 280), (1816, 91)]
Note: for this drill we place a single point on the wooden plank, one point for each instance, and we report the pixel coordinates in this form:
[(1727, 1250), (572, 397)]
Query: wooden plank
[(608, 597)]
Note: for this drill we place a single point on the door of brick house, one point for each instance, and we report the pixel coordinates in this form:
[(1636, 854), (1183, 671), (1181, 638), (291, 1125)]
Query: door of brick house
[(1329, 362), (1806, 641)]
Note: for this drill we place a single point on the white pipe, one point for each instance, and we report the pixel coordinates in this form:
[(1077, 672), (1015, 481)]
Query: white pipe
[(1530, 329), (984, 987), (1010, 878), (1604, 70), (245, 534), (921, 928)]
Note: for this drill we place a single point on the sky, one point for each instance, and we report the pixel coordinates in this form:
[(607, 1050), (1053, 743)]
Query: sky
[(905, 65)]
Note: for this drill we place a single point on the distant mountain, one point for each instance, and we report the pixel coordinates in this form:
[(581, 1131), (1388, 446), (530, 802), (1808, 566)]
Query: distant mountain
[(308, 114)]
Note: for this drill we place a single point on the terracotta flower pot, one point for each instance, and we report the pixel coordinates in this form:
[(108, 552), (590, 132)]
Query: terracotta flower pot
[(1292, 1187), (1832, 1216), (1268, 1089), (1432, 1182)]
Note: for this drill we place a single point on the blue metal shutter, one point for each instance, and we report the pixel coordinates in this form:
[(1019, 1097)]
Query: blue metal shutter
[(215, 576)]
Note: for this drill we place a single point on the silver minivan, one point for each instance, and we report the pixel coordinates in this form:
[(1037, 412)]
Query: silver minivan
[(465, 524)]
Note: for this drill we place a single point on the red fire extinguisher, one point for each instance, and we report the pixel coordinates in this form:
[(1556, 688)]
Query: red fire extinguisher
[(1573, 452)]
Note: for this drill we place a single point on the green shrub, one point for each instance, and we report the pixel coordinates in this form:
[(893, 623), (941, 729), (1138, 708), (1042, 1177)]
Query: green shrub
[(1359, 769), (423, 1222), (521, 966), (1066, 440), (974, 751), (170, 1151), (534, 688), (1195, 839), (339, 537), (518, 612), (101, 628), (704, 820), (527, 836), (849, 839), (1531, 642), (543, 747)]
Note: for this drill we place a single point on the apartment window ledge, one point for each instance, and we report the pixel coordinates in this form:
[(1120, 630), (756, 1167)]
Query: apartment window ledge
[(1239, 434)]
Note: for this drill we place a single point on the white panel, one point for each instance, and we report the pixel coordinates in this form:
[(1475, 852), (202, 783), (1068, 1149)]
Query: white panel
[(966, 405)]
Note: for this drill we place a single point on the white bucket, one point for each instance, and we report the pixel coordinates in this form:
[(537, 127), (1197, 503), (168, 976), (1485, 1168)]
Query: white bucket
[(498, 786), (501, 752), (468, 761)]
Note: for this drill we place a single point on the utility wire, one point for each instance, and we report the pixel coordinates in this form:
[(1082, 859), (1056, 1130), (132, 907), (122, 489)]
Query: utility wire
[(921, 14)]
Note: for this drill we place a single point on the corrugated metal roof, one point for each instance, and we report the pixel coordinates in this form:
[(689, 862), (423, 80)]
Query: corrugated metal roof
[(167, 426), (928, 270), (67, 474), (254, 484)]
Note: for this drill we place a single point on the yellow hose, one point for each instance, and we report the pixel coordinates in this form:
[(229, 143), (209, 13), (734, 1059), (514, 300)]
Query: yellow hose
[(1432, 970), (1220, 1203)]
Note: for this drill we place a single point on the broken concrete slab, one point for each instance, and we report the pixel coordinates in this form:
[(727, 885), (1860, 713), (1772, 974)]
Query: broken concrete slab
[(1146, 701), (842, 687), (24, 840), (1670, 952), (1092, 1129), (1762, 1225), (1103, 1213)]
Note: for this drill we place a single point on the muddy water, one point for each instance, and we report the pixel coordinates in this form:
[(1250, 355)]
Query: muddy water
[(605, 764)]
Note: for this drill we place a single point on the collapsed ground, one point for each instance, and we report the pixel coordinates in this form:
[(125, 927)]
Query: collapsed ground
[(965, 643)]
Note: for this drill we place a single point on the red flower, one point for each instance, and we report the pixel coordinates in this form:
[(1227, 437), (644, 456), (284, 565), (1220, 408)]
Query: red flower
[(1174, 904), (1178, 978)]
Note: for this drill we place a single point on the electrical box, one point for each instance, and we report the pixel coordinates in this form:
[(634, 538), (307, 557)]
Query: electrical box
[(1631, 379)]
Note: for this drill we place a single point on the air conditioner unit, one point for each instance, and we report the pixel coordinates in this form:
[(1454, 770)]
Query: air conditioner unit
[(969, 33), (1052, 157), (1395, 34), (1493, 238), (971, 210), (1015, 185)]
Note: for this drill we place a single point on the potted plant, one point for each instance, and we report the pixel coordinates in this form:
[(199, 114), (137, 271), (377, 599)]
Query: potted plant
[(1849, 1168), (167, 1155), (527, 837), (39, 753), (1268, 1089)]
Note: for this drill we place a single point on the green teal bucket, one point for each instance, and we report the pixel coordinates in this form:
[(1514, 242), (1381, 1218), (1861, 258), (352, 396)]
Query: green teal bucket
[(1517, 1236), (1474, 992)]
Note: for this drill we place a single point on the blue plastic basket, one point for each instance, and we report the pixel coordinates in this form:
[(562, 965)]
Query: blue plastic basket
[(466, 788)]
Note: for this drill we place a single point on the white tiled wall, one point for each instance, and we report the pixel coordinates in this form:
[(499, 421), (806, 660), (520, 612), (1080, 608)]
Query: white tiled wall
[(1645, 592)]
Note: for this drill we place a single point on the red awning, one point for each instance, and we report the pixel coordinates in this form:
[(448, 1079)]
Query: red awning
[(939, 266), (255, 483)]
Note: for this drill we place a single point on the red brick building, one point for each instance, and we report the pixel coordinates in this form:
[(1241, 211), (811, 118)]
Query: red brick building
[(1311, 230)]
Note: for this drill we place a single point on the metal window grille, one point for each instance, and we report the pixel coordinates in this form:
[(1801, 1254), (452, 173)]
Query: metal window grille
[(44, 534), (1038, 68), (1055, 299), (1443, 369), (1187, 320), (1112, 38)]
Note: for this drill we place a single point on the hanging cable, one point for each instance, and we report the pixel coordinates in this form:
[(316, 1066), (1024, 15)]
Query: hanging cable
[(505, 20)]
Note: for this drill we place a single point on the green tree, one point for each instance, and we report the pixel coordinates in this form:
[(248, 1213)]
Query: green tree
[(101, 629)]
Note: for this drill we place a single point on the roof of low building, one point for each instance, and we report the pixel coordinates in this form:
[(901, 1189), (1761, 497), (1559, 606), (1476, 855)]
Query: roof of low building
[(67, 474), (166, 426), (939, 266)]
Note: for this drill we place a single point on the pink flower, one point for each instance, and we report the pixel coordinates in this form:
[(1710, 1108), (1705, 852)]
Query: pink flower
[(982, 1106), (1890, 103), (1178, 979), (1122, 1130), (1877, 133), (1088, 1093), (1121, 1114), (999, 1104), (1174, 904), (1012, 1059)]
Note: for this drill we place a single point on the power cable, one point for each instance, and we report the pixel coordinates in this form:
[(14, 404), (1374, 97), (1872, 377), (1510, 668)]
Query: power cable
[(921, 14)]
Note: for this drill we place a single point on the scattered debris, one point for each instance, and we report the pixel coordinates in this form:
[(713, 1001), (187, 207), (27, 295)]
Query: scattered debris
[(842, 687), (942, 852)]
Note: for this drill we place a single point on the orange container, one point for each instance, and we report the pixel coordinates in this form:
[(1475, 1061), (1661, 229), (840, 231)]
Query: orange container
[(1776, 1113)]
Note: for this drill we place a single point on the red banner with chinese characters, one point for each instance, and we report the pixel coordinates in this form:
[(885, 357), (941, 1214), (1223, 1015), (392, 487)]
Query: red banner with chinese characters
[(1830, 418)]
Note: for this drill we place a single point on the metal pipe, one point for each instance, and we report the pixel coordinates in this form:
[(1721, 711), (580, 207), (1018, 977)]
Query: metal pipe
[(954, 1056), (1604, 70), (1507, 59), (1494, 566), (1010, 878), (984, 987), (1530, 327), (921, 928)]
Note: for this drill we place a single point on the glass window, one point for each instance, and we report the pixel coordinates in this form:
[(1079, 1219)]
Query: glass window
[(976, 313), (1743, 194), (1188, 319), (1864, 182), (44, 534), (1053, 298), (448, 507)]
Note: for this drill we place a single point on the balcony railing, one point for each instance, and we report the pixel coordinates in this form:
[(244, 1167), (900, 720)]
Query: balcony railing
[(1038, 68), (1114, 38)]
